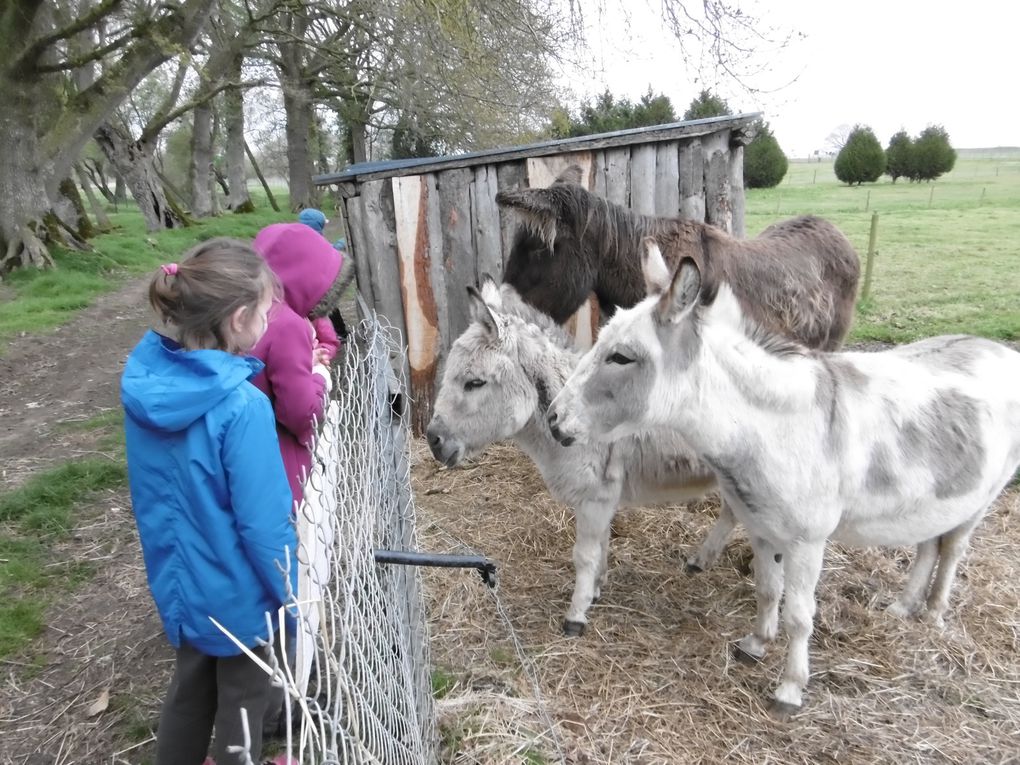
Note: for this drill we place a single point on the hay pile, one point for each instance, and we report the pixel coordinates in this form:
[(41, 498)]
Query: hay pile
[(653, 681)]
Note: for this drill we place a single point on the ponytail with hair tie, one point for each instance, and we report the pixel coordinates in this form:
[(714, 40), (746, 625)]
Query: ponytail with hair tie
[(170, 269)]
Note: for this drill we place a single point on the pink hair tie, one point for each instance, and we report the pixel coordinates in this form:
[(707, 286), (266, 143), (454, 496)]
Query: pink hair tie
[(169, 269)]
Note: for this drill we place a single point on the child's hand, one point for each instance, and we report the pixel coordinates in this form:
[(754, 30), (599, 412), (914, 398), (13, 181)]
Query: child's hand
[(320, 356)]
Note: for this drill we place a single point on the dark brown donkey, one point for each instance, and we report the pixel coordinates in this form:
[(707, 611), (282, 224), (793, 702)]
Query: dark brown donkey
[(798, 277)]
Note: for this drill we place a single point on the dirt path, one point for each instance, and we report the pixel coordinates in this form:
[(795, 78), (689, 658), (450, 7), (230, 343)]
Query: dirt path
[(104, 640)]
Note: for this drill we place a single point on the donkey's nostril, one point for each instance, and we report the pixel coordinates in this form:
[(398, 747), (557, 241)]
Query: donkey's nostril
[(552, 419)]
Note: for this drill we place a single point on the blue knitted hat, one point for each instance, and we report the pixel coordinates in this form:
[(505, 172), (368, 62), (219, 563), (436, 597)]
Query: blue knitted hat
[(312, 218)]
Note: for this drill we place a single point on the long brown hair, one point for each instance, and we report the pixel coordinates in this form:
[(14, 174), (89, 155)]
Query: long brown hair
[(197, 296)]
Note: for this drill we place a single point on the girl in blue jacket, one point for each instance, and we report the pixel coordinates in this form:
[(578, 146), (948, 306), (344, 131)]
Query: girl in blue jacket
[(210, 495)]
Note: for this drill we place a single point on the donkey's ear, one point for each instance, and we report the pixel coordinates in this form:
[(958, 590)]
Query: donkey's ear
[(482, 312), (653, 267), (536, 209), (683, 292), (572, 174), (490, 293)]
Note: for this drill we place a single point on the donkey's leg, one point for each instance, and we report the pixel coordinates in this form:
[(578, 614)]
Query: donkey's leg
[(911, 599), (714, 543), (768, 589), (952, 545), (591, 546), (802, 567)]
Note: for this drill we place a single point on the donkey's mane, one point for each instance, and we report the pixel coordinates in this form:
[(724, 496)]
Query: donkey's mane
[(769, 340), (614, 222)]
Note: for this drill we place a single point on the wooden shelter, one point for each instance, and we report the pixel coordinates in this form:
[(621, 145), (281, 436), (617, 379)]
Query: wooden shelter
[(422, 230)]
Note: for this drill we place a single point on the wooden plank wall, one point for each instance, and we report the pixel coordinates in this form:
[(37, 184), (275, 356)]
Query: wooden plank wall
[(420, 240), (419, 285)]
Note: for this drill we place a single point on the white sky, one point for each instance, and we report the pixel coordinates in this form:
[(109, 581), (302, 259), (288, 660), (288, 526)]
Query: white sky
[(888, 64)]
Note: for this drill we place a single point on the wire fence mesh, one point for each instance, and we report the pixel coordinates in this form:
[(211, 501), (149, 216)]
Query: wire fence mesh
[(359, 690)]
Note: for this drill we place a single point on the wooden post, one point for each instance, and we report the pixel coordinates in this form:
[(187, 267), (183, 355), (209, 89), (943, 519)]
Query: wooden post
[(931, 194), (867, 201), (869, 263)]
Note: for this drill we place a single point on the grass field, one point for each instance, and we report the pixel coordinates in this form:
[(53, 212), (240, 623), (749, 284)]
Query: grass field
[(948, 252), (31, 300)]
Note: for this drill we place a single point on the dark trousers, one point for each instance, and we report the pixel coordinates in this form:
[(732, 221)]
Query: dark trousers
[(206, 692)]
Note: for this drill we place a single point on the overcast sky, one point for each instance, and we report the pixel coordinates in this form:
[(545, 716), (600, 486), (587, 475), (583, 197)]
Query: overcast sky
[(888, 64)]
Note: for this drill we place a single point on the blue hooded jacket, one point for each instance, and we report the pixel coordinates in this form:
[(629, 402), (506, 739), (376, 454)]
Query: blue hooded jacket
[(210, 495)]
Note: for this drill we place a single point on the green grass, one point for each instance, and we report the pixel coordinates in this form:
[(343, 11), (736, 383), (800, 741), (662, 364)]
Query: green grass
[(35, 516), (442, 682), (948, 252), (35, 301)]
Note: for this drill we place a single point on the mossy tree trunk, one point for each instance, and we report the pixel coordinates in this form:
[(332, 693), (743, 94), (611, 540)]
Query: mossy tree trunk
[(135, 163), (200, 172), (238, 198), (44, 127)]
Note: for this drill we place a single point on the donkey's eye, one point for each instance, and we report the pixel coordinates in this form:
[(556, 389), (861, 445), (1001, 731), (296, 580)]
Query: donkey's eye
[(472, 384), (619, 358)]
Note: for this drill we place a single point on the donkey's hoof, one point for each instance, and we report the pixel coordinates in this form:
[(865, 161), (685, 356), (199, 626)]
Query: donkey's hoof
[(935, 619), (782, 710), (900, 610), (572, 628), (746, 657), (692, 567)]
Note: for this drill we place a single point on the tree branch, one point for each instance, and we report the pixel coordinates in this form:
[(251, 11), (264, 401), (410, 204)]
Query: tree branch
[(156, 125), (30, 56), (88, 58)]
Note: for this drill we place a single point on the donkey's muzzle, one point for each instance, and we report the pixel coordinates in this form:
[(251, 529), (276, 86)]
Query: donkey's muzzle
[(442, 450), (557, 433)]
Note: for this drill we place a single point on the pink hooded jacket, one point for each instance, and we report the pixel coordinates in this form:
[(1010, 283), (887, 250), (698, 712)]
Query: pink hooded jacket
[(307, 266)]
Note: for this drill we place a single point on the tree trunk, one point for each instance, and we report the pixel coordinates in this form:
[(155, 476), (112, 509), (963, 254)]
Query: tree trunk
[(321, 158), (221, 181), (297, 104), (134, 162), (102, 220), (23, 200), (94, 169), (119, 189), (70, 211), (261, 177), (213, 173), (201, 161), (359, 142), (233, 114)]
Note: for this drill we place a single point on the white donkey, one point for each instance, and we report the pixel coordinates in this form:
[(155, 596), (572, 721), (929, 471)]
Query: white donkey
[(500, 376), (906, 446)]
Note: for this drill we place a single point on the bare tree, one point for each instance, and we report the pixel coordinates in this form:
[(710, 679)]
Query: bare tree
[(837, 139)]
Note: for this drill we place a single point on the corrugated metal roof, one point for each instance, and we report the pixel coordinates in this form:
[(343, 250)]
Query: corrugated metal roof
[(653, 133)]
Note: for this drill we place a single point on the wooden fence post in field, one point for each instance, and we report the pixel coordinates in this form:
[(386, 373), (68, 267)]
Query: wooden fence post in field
[(867, 201), (870, 261), (932, 194)]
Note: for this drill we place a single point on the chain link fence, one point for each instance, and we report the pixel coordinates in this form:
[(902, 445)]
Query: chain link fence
[(359, 690)]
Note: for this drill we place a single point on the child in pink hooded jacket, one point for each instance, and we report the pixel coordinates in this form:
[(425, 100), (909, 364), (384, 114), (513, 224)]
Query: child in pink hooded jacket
[(314, 277), (326, 341)]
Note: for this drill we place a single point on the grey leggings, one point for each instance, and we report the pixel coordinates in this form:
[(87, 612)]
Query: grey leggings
[(208, 691)]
